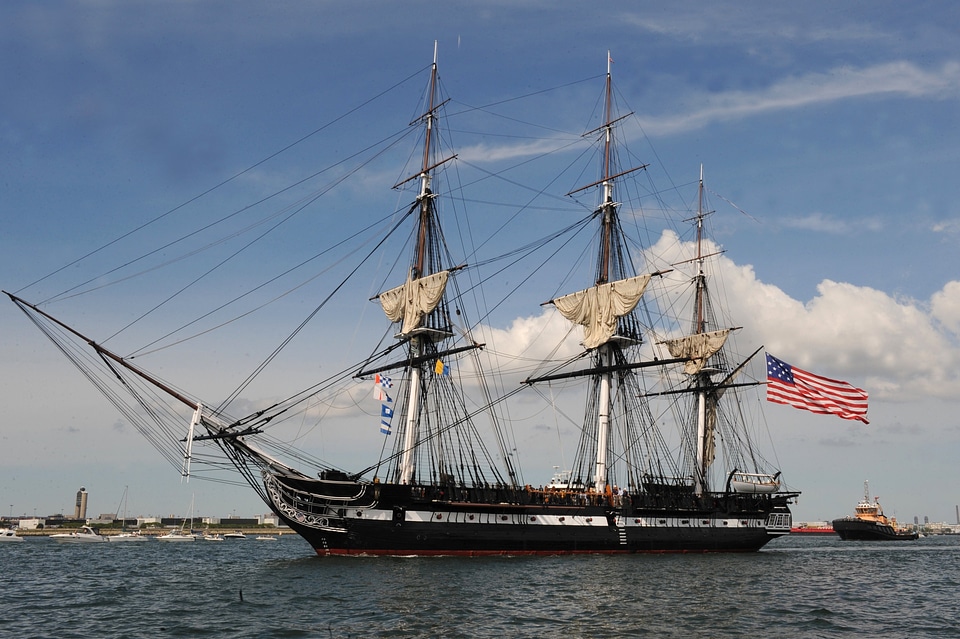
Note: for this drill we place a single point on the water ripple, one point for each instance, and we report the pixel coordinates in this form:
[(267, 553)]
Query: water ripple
[(798, 587)]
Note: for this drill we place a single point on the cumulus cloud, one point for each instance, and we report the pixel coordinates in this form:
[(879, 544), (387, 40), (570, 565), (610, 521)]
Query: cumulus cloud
[(945, 307), (894, 347)]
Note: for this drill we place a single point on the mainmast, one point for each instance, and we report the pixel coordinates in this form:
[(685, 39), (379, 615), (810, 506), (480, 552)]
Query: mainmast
[(703, 377), (701, 278), (615, 292)]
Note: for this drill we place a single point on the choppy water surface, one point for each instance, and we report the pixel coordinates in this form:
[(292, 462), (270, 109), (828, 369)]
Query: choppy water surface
[(797, 586)]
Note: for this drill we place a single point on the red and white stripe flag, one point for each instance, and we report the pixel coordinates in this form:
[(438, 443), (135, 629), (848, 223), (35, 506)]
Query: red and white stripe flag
[(795, 387)]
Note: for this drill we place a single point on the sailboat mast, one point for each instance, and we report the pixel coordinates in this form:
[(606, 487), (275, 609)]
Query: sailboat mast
[(703, 376), (413, 397), (425, 175), (701, 278), (606, 356), (607, 205)]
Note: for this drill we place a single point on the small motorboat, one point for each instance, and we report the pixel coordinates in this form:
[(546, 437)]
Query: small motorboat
[(85, 534), (9, 534), (177, 535), (127, 536)]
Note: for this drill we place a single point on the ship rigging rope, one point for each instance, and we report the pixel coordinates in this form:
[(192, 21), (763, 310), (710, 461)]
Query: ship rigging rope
[(163, 439), (141, 352), (484, 107), (440, 431), (309, 317), (523, 252), (304, 203), (98, 369), (224, 182)]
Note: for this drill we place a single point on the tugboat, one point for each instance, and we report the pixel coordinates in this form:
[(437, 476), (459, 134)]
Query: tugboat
[(870, 524)]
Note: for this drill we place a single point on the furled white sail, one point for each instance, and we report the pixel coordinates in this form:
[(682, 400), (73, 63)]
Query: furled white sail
[(412, 300), (598, 308), (697, 347), (712, 403)]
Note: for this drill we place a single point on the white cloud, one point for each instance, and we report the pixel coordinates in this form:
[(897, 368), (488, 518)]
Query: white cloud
[(945, 307), (899, 79), (823, 223), (894, 347), (725, 23), (495, 153), (895, 78), (947, 227)]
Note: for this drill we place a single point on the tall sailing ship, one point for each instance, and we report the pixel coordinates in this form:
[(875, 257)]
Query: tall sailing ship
[(440, 486)]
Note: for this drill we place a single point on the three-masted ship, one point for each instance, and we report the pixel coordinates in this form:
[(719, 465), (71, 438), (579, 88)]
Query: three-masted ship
[(443, 488)]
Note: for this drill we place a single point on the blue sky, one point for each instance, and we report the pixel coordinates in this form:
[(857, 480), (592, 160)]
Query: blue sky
[(833, 127)]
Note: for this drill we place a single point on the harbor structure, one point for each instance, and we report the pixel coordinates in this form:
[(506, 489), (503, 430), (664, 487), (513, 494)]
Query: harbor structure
[(80, 510)]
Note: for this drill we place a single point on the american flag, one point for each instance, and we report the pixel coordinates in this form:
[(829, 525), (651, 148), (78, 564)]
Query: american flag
[(795, 387)]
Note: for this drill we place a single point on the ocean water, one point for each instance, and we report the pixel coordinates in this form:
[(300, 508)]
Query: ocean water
[(798, 586)]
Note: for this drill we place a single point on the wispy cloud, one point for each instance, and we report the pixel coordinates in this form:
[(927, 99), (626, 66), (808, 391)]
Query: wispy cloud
[(891, 79), (766, 22), (829, 224), (496, 153), (946, 227), (895, 79)]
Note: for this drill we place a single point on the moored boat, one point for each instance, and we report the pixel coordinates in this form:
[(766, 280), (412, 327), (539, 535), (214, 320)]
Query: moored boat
[(870, 524), (806, 528), (84, 535), (9, 535), (127, 536), (184, 533), (441, 487), (177, 536)]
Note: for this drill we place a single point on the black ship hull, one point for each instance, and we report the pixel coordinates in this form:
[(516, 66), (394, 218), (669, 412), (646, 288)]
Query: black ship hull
[(850, 528), (348, 518)]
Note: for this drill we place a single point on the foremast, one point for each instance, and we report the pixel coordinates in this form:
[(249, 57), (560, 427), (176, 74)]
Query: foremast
[(417, 271), (436, 439), (609, 211), (705, 442)]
